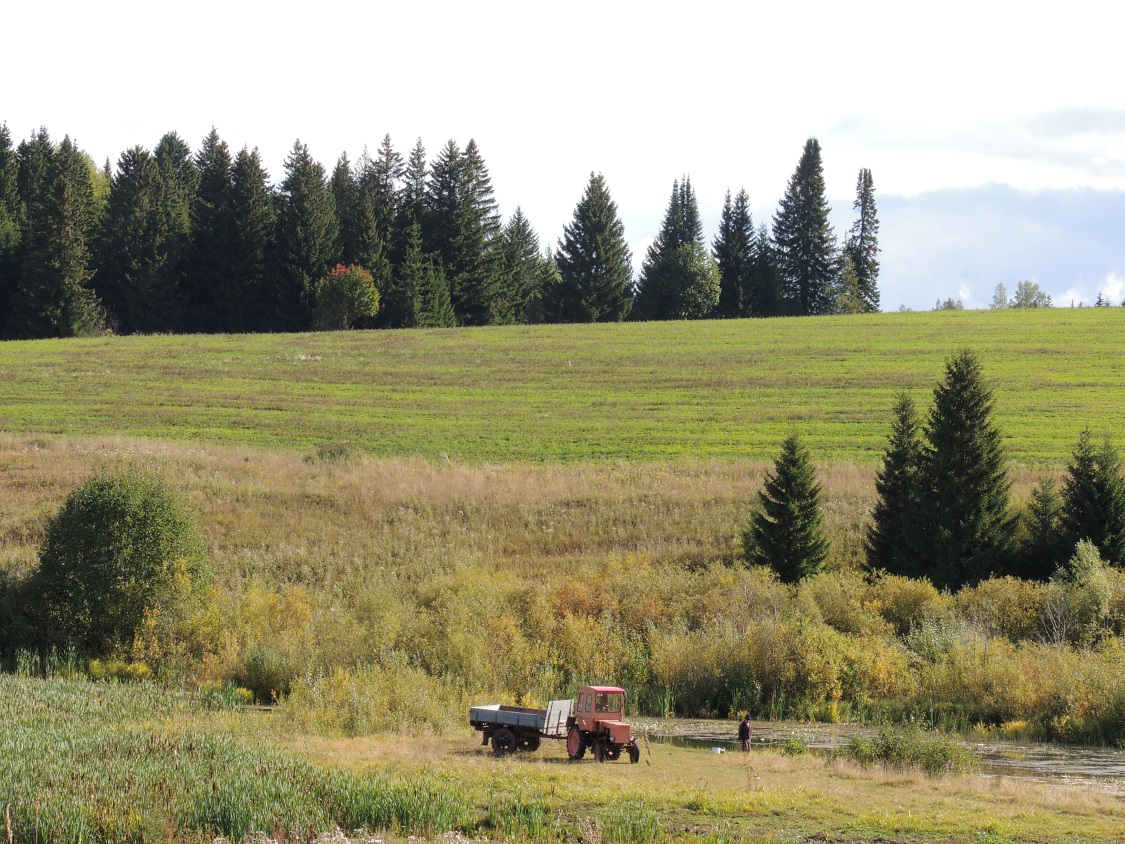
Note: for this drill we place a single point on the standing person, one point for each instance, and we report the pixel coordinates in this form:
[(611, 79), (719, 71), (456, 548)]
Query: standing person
[(745, 732)]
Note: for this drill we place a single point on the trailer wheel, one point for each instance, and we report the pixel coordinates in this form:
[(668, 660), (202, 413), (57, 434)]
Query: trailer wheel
[(634, 754), (575, 744), (503, 741), (528, 742)]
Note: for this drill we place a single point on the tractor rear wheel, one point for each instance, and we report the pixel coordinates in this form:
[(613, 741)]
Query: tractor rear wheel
[(575, 744), (528, 742), (503, 741)]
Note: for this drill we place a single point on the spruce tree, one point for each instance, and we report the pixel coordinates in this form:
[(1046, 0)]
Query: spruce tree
[(898, 487), (803, 238), (11, 214), (1041, 551), (181, 182), (210, 252), (345, 193), (247, 304), (862, 246), (1093, 500), (593, 261), (785, 530), (734, 253), (137, 277), (522, 271), (462, 230), (964, 529), (435, 308), (53, 297), (307, 241), (764, 296), (679, 279)]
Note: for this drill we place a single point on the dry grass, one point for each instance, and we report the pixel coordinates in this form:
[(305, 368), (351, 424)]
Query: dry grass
[(761, 795)]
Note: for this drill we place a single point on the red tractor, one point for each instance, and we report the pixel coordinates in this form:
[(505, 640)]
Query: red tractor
[(592, 721), (597, 724)]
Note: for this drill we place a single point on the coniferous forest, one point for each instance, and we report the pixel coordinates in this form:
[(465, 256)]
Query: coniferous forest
[(175, 240)]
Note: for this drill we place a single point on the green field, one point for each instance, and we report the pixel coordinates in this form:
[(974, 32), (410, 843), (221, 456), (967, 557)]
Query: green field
[(646, 391), (401, 524)]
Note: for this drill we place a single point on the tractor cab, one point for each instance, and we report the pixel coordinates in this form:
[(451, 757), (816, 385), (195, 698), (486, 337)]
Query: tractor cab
[(595, 705)]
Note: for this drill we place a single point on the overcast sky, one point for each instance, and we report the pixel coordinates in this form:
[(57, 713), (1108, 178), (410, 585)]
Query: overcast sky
[(995, 133)]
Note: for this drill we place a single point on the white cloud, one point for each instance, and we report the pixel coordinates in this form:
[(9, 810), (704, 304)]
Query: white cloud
[(1112, 287)]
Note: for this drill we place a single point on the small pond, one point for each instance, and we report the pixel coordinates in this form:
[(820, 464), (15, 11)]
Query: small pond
[(1093, 767)]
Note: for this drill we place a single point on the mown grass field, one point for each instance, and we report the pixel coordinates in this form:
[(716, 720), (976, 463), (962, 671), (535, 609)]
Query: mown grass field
[(102, 763), (642, 392)]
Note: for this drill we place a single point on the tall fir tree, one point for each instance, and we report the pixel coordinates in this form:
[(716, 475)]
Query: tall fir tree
[(764, 297), (679, 279), (897, 486), (382, 191), (462, 229), (593, 262), (1093, 500), (522, 272), (10, 223), (803, 237), (181, 182), (307, 241), (137, 275), (862, 245), (964, 532), (1041, 552), (734, 253), (210, 253), (53, 297), (785, 532), (349, 211), (247, 305)]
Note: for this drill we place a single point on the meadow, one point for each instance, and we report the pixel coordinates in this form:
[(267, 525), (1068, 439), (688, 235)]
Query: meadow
[(97, 763), (401, 524), (637, 391)]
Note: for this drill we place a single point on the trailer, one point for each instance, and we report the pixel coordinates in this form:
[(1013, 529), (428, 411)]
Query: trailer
[(593, 721), (511, 728)]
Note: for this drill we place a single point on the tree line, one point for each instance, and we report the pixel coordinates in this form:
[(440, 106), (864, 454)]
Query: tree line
[(172, 240), (943, 509)]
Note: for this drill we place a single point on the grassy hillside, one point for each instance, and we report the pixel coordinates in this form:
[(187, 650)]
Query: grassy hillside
[(645, 392)]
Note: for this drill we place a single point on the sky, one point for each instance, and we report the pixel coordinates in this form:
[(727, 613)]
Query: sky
[(995, 133)]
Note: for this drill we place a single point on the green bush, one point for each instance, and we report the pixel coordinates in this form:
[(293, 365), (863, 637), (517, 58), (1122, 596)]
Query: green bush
[(266, 673), (121, 550), (934, 753)]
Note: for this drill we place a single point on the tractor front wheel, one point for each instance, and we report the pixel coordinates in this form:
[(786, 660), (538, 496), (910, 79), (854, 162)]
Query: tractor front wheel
[(503, 741), (575, 744), (634, 754), (600, 753)]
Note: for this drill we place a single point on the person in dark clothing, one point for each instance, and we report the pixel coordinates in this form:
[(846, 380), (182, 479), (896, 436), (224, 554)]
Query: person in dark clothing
[(745, 732)]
